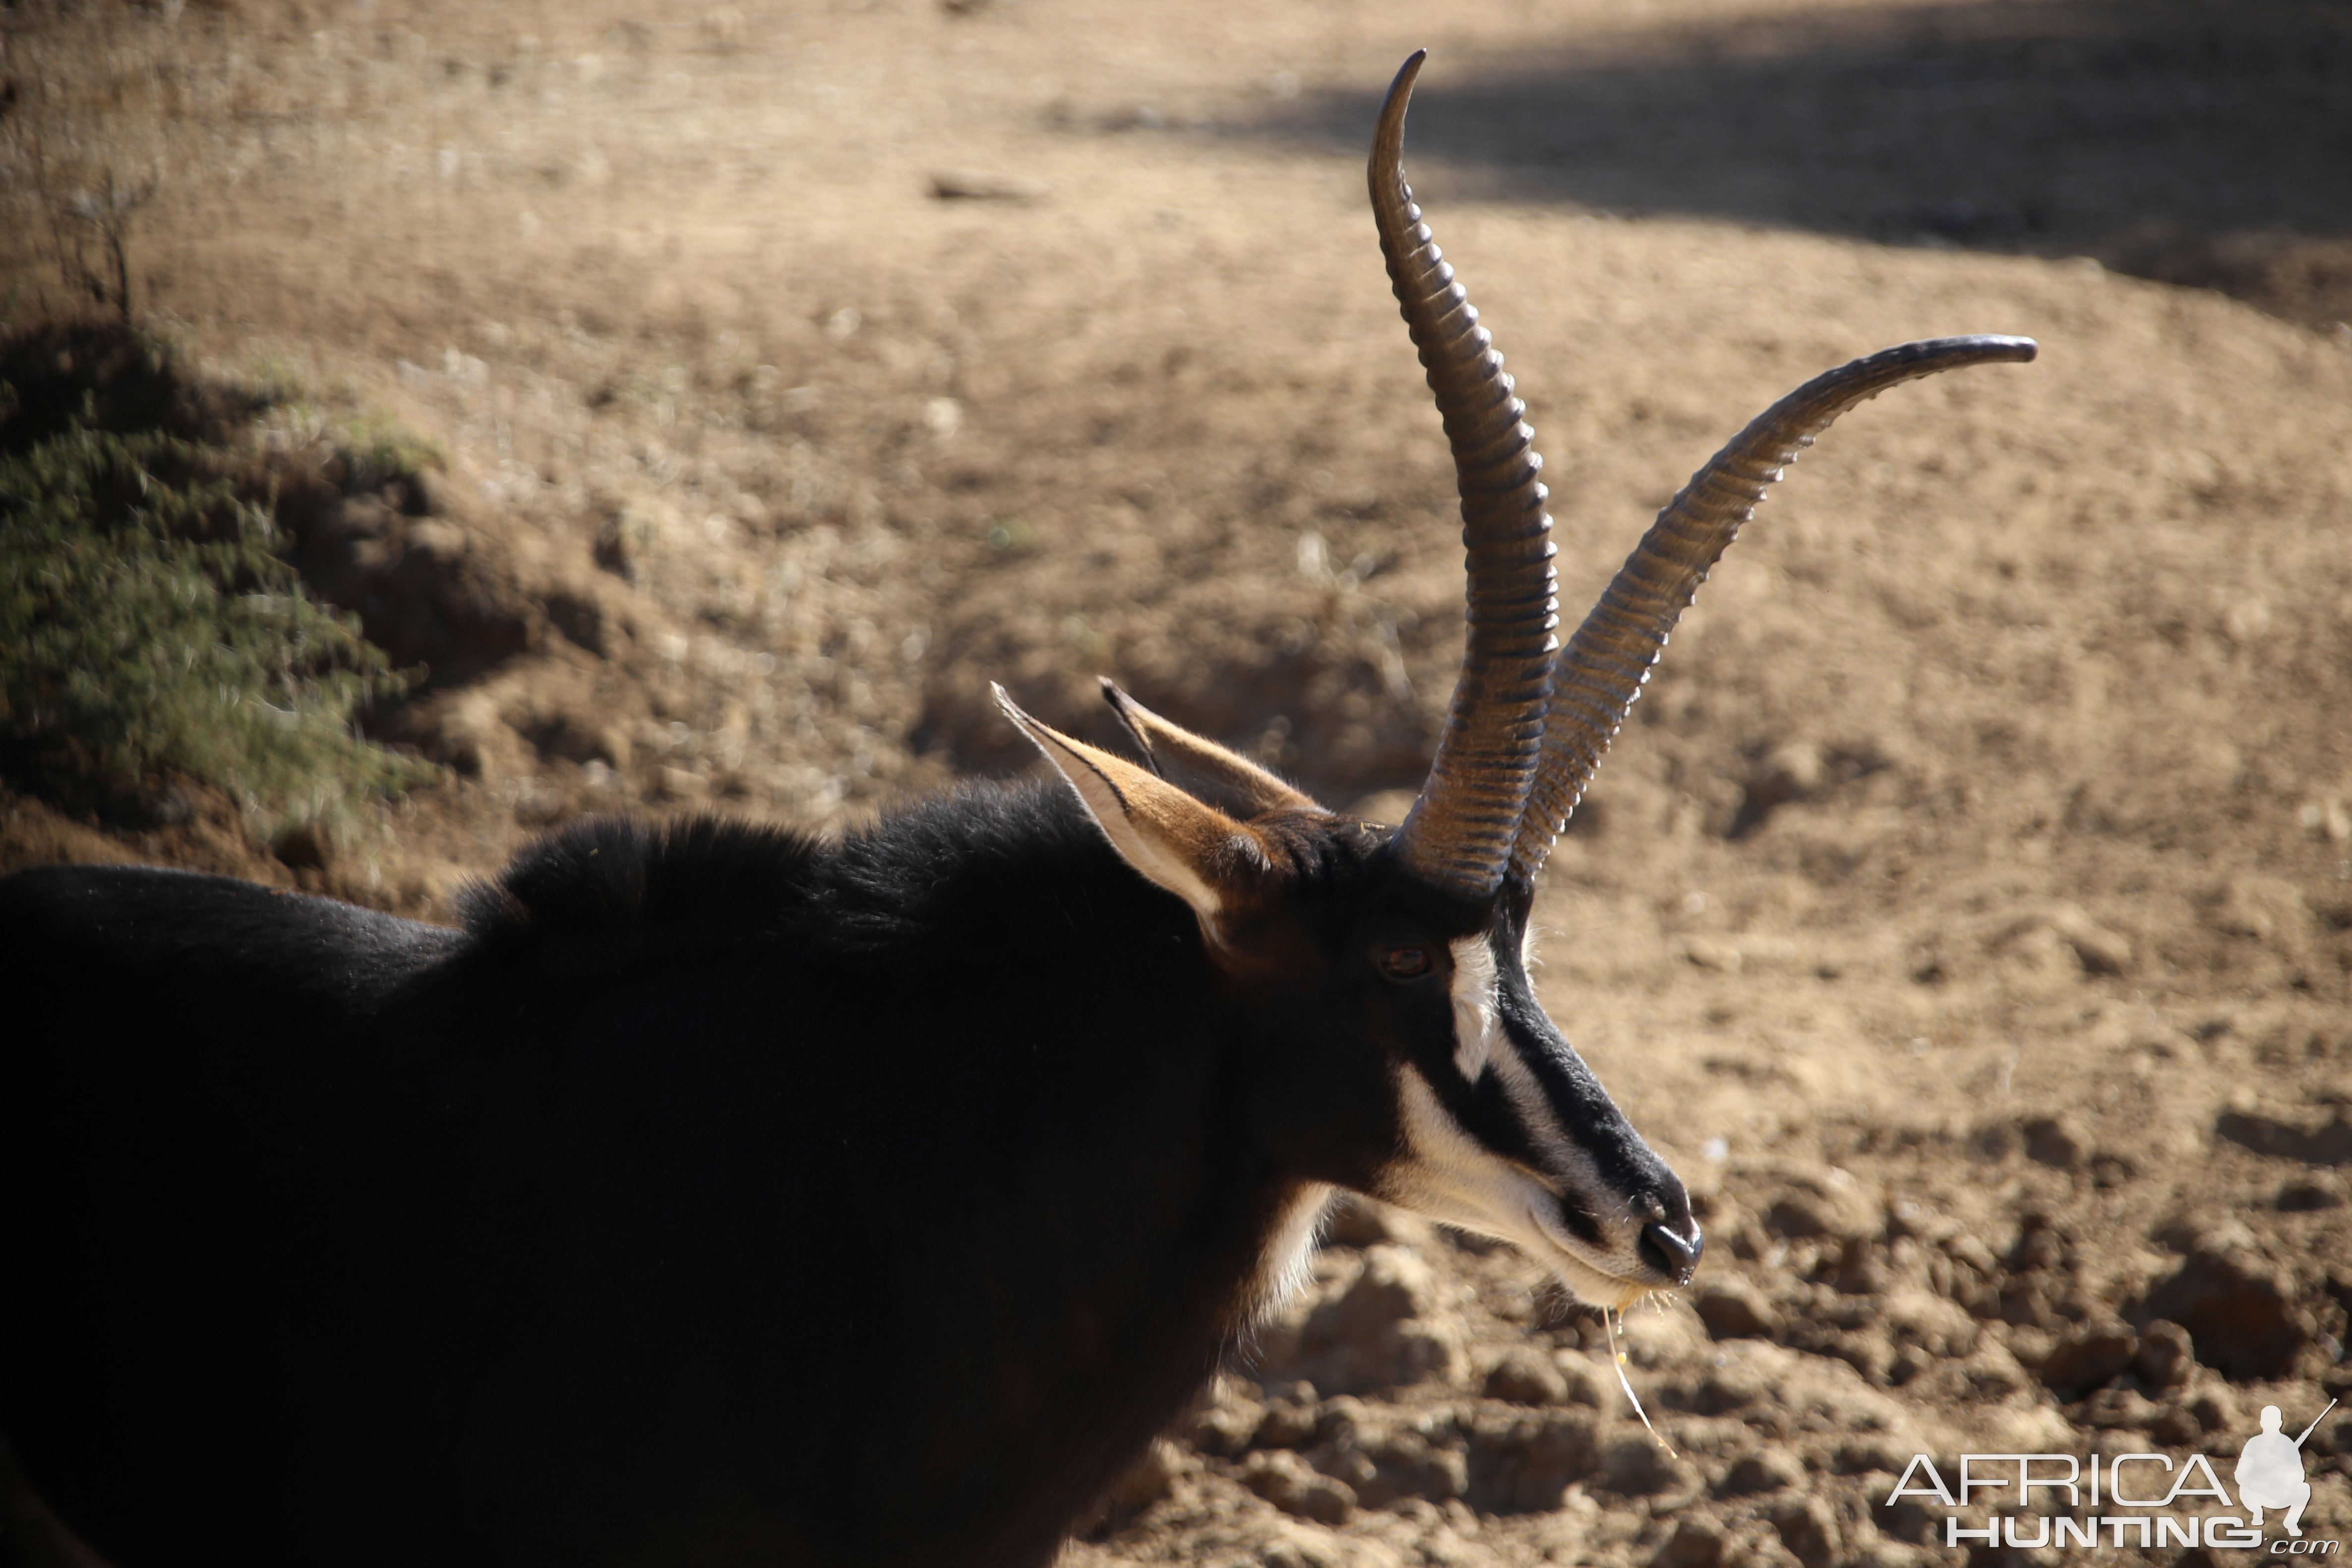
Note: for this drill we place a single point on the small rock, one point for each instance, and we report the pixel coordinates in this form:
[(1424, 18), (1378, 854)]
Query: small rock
[(2327, 1143), (1520, 1462), (2058, 943), (1638, 1465), (2327, 817), (1934, 1324), (2194, 1230), (2040, 1243), (1387, 1328), (1726, 1389), (1766, 1470), (1712, 954), (2088, 1357), (1912, 1519), (2120, 1410), (1827, 1203), (1588, 1383), (2024, 1302), (1384, 1465), (1523, 1377), (2098, 950), (1344, 1420), (1863, 1455), (1790, 772), (2165, 1358), (1294, 1544), (1992, 1372), (1734, 1309), (1867, 1354), (1295, 1487), (1861, 1269), (1226, 1426), (2240, 1310), (2265, 909), (1696, 1542), (621, 539), (1809, 1529), (978, 185), (2030, 1346), (2214, 1407), (1289, 1422), (1996, 1139), (2053, 1140), (2308, 1194)]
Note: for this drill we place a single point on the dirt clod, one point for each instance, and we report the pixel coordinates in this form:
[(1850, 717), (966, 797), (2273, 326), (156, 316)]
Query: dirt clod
[(2088, 1357), (1289, 1483), (1527, 1377), (1733, 1308), (2240, 1310), (2166, 1357), (1768, 1470), (1695, 1542), (1388, 1326)]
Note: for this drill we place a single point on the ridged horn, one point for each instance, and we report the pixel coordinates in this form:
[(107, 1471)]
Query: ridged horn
[(1459, 831), (1609, 658)]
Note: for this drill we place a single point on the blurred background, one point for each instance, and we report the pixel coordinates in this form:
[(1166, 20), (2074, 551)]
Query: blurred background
[(425, 423)]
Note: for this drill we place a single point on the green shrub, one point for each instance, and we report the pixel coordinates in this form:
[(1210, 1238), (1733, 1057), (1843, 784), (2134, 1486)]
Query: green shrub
[(148, 627)]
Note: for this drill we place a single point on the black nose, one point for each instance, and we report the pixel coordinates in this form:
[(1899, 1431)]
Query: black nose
[(1671, 1252)]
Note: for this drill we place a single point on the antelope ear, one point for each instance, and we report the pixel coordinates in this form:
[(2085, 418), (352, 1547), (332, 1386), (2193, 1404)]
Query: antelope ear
[(1195, 851), (1201, 765)]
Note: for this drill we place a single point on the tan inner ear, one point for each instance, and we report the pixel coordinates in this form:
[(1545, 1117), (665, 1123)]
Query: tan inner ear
[(1184, 758), (1191, 849)]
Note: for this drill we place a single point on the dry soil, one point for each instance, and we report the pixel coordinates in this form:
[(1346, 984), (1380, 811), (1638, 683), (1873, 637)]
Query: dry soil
[(1968, 910)]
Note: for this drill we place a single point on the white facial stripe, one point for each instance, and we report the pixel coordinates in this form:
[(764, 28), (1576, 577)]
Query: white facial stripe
[(1560, 1154), (1477, 1018), (1482, 1042), (1449, 1175)]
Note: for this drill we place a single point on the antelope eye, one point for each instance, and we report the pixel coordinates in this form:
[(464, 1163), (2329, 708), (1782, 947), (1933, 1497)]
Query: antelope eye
[(1404, 963)]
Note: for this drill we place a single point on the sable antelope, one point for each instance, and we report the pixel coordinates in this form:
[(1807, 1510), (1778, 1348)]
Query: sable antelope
[(722, 1193)]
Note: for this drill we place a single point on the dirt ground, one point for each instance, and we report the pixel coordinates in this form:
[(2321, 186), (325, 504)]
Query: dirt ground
[(1968, 910)]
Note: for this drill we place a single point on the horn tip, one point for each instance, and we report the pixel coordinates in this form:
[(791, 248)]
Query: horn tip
[(1401, 87), (2001, 345), (1988, 348)]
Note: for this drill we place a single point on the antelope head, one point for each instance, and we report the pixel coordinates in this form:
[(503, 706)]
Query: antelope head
[(1401, 1050)]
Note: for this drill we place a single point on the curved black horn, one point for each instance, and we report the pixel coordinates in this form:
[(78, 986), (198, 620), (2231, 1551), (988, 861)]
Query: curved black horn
[(1609, 657), (1459, 833)]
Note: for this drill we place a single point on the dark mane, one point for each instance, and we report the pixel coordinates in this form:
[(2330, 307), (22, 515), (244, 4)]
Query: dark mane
[(610, 874), (992, 862)]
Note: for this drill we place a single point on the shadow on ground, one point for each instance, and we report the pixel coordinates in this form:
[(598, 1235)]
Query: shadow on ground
[(2207, 142)]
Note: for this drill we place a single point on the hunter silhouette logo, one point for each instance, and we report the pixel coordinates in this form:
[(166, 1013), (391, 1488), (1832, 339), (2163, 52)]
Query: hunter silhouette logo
[(2269, 1471), (2146, 1500)]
